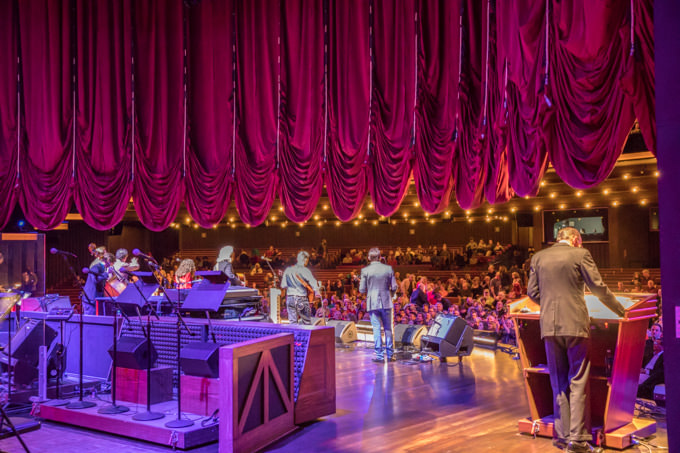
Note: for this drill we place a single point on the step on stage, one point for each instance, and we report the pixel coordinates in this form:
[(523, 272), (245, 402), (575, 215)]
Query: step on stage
[(150, 431)]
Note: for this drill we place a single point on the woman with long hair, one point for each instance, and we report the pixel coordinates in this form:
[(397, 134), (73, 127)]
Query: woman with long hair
[(185, 274)]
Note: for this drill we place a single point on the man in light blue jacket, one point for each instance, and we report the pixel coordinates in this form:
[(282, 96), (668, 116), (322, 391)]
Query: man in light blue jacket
[(379, 285)]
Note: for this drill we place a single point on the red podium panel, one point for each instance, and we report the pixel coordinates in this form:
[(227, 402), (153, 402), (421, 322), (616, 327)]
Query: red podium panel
[(613, 388)]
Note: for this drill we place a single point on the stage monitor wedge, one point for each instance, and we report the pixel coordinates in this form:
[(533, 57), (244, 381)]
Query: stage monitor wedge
[(200, 359), (449, 336), (345, 331), (133, 353)]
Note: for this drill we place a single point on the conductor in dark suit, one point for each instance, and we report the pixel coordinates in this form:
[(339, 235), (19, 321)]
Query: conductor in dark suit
[(379, 285), (557, 281)]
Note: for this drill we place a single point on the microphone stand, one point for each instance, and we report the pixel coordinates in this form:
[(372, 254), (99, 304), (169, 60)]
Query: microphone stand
[(114, 408), (177, 423), (10, 366), (148, 415), (80, 404)]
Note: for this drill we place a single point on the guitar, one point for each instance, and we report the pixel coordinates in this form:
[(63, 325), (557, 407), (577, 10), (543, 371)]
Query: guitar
[(308, 287)]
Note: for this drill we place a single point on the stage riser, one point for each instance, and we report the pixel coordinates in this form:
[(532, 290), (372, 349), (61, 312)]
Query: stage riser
[(155, 431), (164, 338)]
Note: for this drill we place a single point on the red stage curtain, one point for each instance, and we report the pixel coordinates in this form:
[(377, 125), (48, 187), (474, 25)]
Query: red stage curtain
[(257, 32), (8, 110), (638, 82), (488, 137), (493, 129), (436, 110), (394, 77), (590, 118), (348, 106), (467, 158), (47, 168), (158, 153), (302, 107), (209, 181), (521, 43), (103, 111)]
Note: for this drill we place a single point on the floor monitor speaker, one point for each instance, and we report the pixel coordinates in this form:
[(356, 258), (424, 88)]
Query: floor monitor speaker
[(345, 331), (408, 335), (28, 338), (449, 336), (201, 359), (319, 321), (133, 353)]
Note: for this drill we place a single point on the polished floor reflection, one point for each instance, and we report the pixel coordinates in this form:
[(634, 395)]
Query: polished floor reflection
[(395, 407)]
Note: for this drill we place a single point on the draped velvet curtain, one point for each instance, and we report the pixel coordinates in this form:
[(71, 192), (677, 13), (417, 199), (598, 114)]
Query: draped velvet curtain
[(9, 121), (258, 27), (160, 102), (209, 182), (438, 57), (47, 165), (302, 107), (392, 115), (589, 116), (521, 39), (103, 112), (349, 86), (159, 155)]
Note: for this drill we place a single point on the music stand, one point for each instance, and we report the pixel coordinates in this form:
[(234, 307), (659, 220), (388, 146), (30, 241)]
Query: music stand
[(136, 296), (178, 422), (207, 296)]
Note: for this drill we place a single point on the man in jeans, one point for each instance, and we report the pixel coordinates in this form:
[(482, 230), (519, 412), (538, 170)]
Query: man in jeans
[(298, 281), (379, 285)]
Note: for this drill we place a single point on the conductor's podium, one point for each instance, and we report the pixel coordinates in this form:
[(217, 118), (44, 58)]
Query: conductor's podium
[(616, 349)]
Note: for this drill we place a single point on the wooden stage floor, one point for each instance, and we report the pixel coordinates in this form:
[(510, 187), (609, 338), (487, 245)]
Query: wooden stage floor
[(421, 407)]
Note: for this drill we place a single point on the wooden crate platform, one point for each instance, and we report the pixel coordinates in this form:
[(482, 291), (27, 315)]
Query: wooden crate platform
[(153, 431)]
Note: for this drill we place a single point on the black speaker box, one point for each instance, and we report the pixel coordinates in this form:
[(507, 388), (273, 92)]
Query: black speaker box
[(407, 335), (525, 220), (449, 336), (30, 336), (345, 331), (201, 359), (134, 352)]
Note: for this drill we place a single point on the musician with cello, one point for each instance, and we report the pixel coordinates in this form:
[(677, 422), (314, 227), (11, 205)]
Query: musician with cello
[(120, 272), (301, 288), (97, 277)]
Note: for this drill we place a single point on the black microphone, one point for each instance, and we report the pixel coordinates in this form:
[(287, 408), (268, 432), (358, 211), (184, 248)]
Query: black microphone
[(137, 252), (54, 251)]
